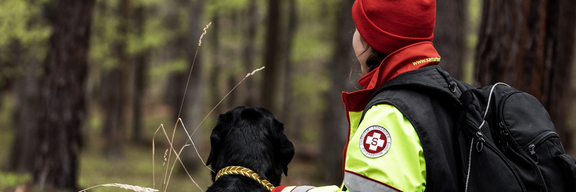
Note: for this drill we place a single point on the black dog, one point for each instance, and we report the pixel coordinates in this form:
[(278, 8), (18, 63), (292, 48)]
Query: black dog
[(250, 137)]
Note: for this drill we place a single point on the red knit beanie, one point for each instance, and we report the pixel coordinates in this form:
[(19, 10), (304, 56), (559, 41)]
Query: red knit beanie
[(388, 25)]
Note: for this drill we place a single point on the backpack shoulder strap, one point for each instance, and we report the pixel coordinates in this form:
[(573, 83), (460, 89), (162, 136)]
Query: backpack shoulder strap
[(433, 80)]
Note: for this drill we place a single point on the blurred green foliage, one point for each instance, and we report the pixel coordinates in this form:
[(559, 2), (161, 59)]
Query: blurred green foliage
[(24, 35), (13, 179), (473, 15), (21, 21)]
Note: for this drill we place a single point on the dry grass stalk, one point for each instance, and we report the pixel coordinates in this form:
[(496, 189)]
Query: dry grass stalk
[(190, 135), (256, 70), (165, 154), (171, 140), (177, 158), (203, 33), (123, 186), (166, 176), (194, 145), (172, 169), (218, 104), (153, 153)]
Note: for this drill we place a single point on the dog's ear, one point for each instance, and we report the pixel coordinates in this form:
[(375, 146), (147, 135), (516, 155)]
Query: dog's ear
[(286, 147), (215, 139)]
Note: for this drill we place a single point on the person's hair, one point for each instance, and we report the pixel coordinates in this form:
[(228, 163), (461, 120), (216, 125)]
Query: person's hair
[(373, 59)]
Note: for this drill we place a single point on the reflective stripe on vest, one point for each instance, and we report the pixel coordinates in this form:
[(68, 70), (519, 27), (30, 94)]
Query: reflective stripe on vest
[(358, 183), (303, 188), (330, 188)]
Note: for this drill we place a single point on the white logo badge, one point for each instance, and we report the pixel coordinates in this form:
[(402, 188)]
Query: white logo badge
[(375, 141)]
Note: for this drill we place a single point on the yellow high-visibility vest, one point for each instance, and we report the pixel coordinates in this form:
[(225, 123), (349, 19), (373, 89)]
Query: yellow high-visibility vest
[(383, 154)]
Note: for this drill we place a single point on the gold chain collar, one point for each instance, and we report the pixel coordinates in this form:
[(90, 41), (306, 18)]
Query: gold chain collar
[(238, 170)]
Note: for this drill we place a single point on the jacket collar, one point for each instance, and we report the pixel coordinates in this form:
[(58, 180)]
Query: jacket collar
[(406, 59)]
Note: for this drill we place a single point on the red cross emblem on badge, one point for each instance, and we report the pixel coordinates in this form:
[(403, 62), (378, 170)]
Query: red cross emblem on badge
[(375, 141)]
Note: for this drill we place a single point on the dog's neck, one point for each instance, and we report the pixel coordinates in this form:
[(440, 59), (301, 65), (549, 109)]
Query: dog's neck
[(257, 159), (238, 170)]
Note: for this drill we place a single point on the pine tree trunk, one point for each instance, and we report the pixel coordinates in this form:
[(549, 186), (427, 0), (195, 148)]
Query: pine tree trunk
[(140, 75), (271, 61), (195, 99), (62, 105), (334, 118), (179, 49), (287, 115), (449, 35), (528, 44), (27, 88), (215, 94), (114, 89), (248, 54), (564, 13)]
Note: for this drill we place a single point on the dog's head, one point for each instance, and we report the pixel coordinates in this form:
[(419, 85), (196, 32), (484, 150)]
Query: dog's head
[(253, 138)]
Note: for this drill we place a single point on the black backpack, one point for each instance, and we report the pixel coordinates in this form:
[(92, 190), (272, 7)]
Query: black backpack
[(511, 143), (506, 139)]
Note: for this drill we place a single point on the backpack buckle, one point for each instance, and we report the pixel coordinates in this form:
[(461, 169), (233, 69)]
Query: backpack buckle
[(453, 87)]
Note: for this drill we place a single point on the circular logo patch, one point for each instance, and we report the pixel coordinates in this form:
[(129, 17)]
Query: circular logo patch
[(375, 141)]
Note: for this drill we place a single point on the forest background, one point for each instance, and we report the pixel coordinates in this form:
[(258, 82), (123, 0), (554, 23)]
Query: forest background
[(84, 84)]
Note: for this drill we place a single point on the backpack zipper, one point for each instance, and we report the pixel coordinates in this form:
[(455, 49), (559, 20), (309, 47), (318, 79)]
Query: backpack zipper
[(480, 145), (529, 149), (531, 146), (503, 157), (504, 132), (506, 136)]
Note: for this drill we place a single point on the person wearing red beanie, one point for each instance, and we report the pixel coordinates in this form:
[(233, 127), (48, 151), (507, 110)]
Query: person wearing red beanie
[(398, 140)]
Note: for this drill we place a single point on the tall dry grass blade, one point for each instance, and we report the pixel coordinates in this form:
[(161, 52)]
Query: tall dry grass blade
[(153, 159), (192, 67), (171, 147), (190, 135), (180, 160), (194, 145), (177, 158), (123, 186), (173, 164), (180, 152), (187, 83), (218, 104), (179, 113)]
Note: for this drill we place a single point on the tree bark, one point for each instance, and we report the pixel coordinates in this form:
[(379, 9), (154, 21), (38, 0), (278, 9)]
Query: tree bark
[(559, 95), (180, 48), (62, 103), (271, 56), (194, 96), (140, 75), (528, 44), (114, 90), (215, 94), (287, 110), (334, 118), (449, 35), (248, 54), (26, 116)]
